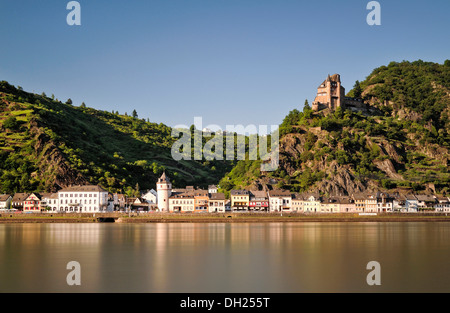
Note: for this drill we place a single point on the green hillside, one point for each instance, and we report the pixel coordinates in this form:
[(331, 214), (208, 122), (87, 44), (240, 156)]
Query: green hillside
[(404, 147), (401, 144), (46, 145)]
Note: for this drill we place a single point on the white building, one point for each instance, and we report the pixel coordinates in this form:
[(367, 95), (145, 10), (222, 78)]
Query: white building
[(384, 202), (212, 189), (151, 196), (49, 200), (311, 203), (443, 204), (5, 201), (182, 202), (280, 200), (216, 202), (411, 203), (85, 199)]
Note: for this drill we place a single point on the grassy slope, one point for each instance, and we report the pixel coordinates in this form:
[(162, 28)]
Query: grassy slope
[(115, 151)]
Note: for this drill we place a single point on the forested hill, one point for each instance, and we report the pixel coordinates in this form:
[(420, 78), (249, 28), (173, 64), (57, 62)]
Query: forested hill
[(403, 147), (46, 145)]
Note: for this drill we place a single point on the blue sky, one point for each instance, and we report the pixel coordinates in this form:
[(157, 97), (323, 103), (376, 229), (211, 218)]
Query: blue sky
[(230, 62)]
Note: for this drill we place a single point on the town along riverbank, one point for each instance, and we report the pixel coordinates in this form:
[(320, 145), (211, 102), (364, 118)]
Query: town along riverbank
[(218, 217)]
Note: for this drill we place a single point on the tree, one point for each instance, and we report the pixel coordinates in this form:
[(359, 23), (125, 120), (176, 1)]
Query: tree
[(137, 192), (357, 90), (306, 106), (83, 105), (134, 114), (69, 101), (11, 123)]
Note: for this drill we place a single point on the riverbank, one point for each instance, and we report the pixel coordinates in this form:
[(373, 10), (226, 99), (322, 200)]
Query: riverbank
[(219, 217)]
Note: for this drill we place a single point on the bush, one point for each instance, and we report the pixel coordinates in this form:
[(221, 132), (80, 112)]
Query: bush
[(11, 123)]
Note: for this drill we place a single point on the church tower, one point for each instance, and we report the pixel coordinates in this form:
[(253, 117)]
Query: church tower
[(164, 190)]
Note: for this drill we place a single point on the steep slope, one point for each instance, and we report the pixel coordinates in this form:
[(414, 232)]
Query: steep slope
[(403, 147), (46, 145)]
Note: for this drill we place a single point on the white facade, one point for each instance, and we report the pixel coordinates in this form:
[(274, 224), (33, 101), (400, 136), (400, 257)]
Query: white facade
[(151, 196), (216, 202), (82, 199), (5, 201), (164, 191), (50, 201), (311, 204)]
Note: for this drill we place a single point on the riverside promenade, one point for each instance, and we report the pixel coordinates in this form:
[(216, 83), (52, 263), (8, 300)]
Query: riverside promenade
[(154, 217)]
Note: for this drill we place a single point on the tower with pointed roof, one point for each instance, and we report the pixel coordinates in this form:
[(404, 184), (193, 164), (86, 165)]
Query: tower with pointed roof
[(164, 191)]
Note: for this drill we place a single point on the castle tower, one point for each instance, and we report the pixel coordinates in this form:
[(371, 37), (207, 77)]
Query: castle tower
[(164, 190), (330, 94)]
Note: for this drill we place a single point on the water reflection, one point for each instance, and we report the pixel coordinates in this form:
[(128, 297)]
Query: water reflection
[(266, 257)]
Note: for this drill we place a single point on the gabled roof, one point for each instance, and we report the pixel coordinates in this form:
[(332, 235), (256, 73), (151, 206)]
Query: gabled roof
[(187, 194), (4, 197), (258, 194), (239, 192), (83, 188), (279, 193), (426, 198), (217, 196), (20, 196), (37, 195)]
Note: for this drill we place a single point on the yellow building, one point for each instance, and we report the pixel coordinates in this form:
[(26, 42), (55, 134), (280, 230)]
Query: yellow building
[(240, 200)]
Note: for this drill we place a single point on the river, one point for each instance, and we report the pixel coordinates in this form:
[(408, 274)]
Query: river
[(225, 257)]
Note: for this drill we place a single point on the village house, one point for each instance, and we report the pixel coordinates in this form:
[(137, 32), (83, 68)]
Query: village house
[(330, 205), (49, 201), (239, 200), (151, 196), (443, 204), (297, 203), (399, 203), (360, 203), (140, 204), (5, 201), (425, 201), (212, 189), (384, 202), (346, 204), (216, 202), (32, 203), (311, 203), (119, 201), (370, 200), (411, 203), (17, 200), (201, 198), (182, 202), (259, 201), (280, 200)]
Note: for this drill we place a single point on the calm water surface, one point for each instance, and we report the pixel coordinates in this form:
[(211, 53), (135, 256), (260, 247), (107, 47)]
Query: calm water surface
[(265, 257)]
